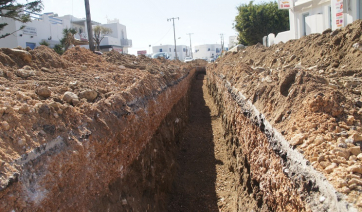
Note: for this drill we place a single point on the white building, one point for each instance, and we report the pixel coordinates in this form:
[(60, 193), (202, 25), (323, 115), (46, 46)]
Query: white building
[(117, 40), (49, 27), (182, 51), (44, 27), (207, 51), (315, 16), (233, 41)]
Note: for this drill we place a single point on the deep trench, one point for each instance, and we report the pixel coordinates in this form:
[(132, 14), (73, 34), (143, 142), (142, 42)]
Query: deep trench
[(196, 161), (204, 180)]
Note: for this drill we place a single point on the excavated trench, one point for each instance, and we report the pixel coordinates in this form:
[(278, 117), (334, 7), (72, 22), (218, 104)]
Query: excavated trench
[(195, 145), (222, 156)]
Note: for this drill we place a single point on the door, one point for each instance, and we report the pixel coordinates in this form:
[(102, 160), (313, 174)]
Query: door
[(31, 45), (305, 15)]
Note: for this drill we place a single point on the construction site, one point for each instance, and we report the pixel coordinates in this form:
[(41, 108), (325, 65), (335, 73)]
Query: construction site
[(260, 129)]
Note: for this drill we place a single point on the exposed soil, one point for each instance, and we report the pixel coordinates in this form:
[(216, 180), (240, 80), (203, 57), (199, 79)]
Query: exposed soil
[(310, 90), (204, 181)]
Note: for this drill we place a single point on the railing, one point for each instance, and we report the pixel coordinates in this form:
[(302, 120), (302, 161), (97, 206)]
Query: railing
[(37, 16), (126, 42)]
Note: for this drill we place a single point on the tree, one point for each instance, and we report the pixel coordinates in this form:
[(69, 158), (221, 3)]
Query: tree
[(256, 21), (18, 12), (99, 33), (68, 38)]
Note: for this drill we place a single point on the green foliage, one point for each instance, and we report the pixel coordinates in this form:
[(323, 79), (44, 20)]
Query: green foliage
[(12, 9), (59, 49), (256, 21), (44, 43), (68, 37), (99, 33)]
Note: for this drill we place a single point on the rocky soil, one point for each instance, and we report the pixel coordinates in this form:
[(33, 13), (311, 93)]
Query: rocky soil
[(310, 90), (76, 101)]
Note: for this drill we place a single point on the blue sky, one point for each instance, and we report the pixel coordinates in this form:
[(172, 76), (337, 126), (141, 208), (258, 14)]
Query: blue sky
[(146, 20)]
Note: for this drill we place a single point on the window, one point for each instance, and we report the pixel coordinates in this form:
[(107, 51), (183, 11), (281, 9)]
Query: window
[(208, 49), (184, 50), (160, 50), (169, 49), (80, 30)]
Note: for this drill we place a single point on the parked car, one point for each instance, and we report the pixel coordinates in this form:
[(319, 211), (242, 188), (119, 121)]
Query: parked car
[(188, 59), (161, 54), (211, 60)]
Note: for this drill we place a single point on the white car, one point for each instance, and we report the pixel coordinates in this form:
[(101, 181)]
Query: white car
[(161, 54), (188, 59)]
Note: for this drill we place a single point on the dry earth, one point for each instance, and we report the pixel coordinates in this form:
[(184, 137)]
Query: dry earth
[(310, 90)]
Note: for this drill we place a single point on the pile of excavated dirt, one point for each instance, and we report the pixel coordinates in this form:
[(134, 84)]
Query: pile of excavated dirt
[(310, 90), (44, 95)]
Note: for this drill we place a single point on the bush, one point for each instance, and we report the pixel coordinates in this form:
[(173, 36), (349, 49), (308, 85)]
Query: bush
[(43, 42)]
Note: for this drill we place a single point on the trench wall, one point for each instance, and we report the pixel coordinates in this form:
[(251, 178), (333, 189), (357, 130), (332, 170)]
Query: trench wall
[(261, 160), (117, 155)]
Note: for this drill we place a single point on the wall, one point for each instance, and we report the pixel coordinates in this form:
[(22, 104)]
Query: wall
[(282, 37), (44, 29), (202, 51), (166, 48), (320, 15)]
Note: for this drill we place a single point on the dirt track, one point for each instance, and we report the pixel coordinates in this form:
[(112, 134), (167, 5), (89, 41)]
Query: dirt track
[(203, 181)]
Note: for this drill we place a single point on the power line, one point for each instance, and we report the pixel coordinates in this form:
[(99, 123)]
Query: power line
[(163, 36)]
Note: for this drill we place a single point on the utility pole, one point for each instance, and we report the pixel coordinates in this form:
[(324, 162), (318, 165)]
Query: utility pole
[(190, 44), (174, 34), (89, 25), (222, 42)]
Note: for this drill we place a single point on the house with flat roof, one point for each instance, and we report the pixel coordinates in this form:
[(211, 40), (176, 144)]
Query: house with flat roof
[(49, 27), (315, 16), (207, 51), (182, 51)]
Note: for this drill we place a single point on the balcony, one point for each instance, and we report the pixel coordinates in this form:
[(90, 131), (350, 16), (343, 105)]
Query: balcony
[(126, 43)]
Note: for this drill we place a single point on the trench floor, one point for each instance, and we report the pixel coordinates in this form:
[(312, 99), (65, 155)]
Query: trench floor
[(203, 181)]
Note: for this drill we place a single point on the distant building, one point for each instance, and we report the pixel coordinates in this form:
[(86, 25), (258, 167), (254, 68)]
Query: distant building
[(233, 41), (49, 27), (182, 51), (314, 16), (207, 51), (117, 40)]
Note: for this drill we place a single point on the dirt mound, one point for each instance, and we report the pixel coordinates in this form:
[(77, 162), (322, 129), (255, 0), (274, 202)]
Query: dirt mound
[(14, 57), (198, 62), (310, 89), (43, 56), (329, 51), (81, 55)]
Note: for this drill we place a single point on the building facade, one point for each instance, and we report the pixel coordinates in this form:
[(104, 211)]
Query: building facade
[(233, 41), (314, 16), (182, 51), (207, 51), (49, 27)]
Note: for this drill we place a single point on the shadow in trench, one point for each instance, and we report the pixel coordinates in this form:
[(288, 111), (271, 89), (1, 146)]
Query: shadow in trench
[(194, 184)]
